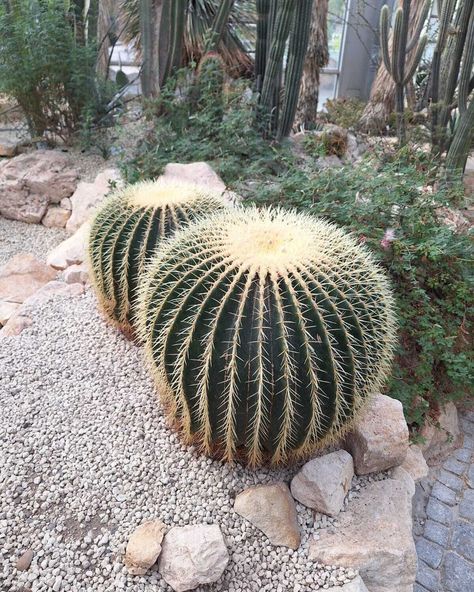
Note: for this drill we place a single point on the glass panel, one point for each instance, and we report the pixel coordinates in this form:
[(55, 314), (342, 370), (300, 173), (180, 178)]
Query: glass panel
[(327, 88), (336, 25)]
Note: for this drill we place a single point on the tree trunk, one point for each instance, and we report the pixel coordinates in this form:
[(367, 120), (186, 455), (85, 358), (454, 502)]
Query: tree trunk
[(382, 94), (152, 46), (104, 22), (317, 57)]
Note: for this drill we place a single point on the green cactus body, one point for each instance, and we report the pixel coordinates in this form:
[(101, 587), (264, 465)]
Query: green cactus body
[(127, 230), (266, 331)]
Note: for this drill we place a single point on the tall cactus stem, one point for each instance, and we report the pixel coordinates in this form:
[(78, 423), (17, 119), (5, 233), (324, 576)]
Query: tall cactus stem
[(263, 9)]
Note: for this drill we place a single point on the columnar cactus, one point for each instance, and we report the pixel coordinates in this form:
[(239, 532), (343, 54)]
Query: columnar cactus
[(266, 332), (126, 232)]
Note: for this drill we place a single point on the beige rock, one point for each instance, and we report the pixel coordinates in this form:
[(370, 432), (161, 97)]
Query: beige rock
[(30, 182), (144, 546), (88, 196), (272, 510), (441, 438), (7, 309), (24, 561), (22, 276), (56, 217), (15, 325), (415, 463), (76, 274), (402, 475), (379, 440), (66, 204), (469, 177), (322, 483), (200, 173), (72, 251), (374, 536), (193, 556)]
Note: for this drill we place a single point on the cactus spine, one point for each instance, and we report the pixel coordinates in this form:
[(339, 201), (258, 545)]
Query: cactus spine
[(266, 332), (126, 232), (279, 24), (396, 62)]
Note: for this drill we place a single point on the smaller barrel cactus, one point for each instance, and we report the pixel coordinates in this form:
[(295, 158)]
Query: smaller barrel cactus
[(126, 232), (266, 331)]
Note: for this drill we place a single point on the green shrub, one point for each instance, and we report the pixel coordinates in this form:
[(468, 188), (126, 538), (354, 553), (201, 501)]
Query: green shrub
[(343, 111), (267, 332), (46, 69), (391, 208)]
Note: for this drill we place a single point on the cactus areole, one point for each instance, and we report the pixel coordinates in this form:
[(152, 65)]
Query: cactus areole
[(126, 232), (266, 331)]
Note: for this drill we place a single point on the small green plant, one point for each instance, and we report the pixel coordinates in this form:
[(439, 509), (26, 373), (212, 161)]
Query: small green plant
[(267, 331), (343, 111), (126, 232)]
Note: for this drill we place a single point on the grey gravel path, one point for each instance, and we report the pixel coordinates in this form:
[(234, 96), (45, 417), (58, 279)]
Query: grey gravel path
[(446, 548), (86, 456), (16, 237)]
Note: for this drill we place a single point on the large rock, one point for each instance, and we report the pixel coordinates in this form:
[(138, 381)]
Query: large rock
[(88, 196), (30, 182), (22, 276), (322, 483), (357, 585), (272, 510), (442, 437), (469, 177), (415, 463), (76, 274), (374, 536), (7, 309), (72, 251), (144, 546), (379, 440), (196, 172), (15, 325), (192, 556)]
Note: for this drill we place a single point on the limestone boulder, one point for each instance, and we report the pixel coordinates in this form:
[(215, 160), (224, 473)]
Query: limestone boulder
[(379, 440), (144, 546), (193, 556), (374, 536), (8, 148), (199, 173), (357, 585), (32, 181), (22, 276), (71, 251), (442, 437), (322, 483), (415, 463), (55, 217), (15, 325), (88, 196), (271, 509)]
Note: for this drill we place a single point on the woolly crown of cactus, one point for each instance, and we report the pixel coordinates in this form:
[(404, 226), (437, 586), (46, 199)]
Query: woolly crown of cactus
[(126, 232), (266, 331)]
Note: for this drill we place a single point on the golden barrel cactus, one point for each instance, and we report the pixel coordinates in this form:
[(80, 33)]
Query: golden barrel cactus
[(266, 330), (126, 232)]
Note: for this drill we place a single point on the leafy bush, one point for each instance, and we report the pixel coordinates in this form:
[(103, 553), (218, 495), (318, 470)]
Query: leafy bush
[(343, 111), (390, 207), (188, 125), (49, 72)]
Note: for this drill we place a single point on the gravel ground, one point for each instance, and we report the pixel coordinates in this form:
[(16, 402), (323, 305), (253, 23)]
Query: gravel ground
[(86, 456), (16, 237)]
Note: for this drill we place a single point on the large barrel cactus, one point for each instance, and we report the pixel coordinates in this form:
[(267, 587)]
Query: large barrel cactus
[(125, 234), (266, 331)]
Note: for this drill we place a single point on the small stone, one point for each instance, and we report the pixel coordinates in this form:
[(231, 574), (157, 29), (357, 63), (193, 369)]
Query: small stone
[(379, 440), (450, 480), (193, 556), (438, 511), (55, 217), (322, 483), (454, 466), (458, 574), (15, 325), (463, 540), (144, 546), (415, 463), (357, 585), (272, 510), (427, 577), (8, 148), (444, 494), (24, 561), (76, 274)]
